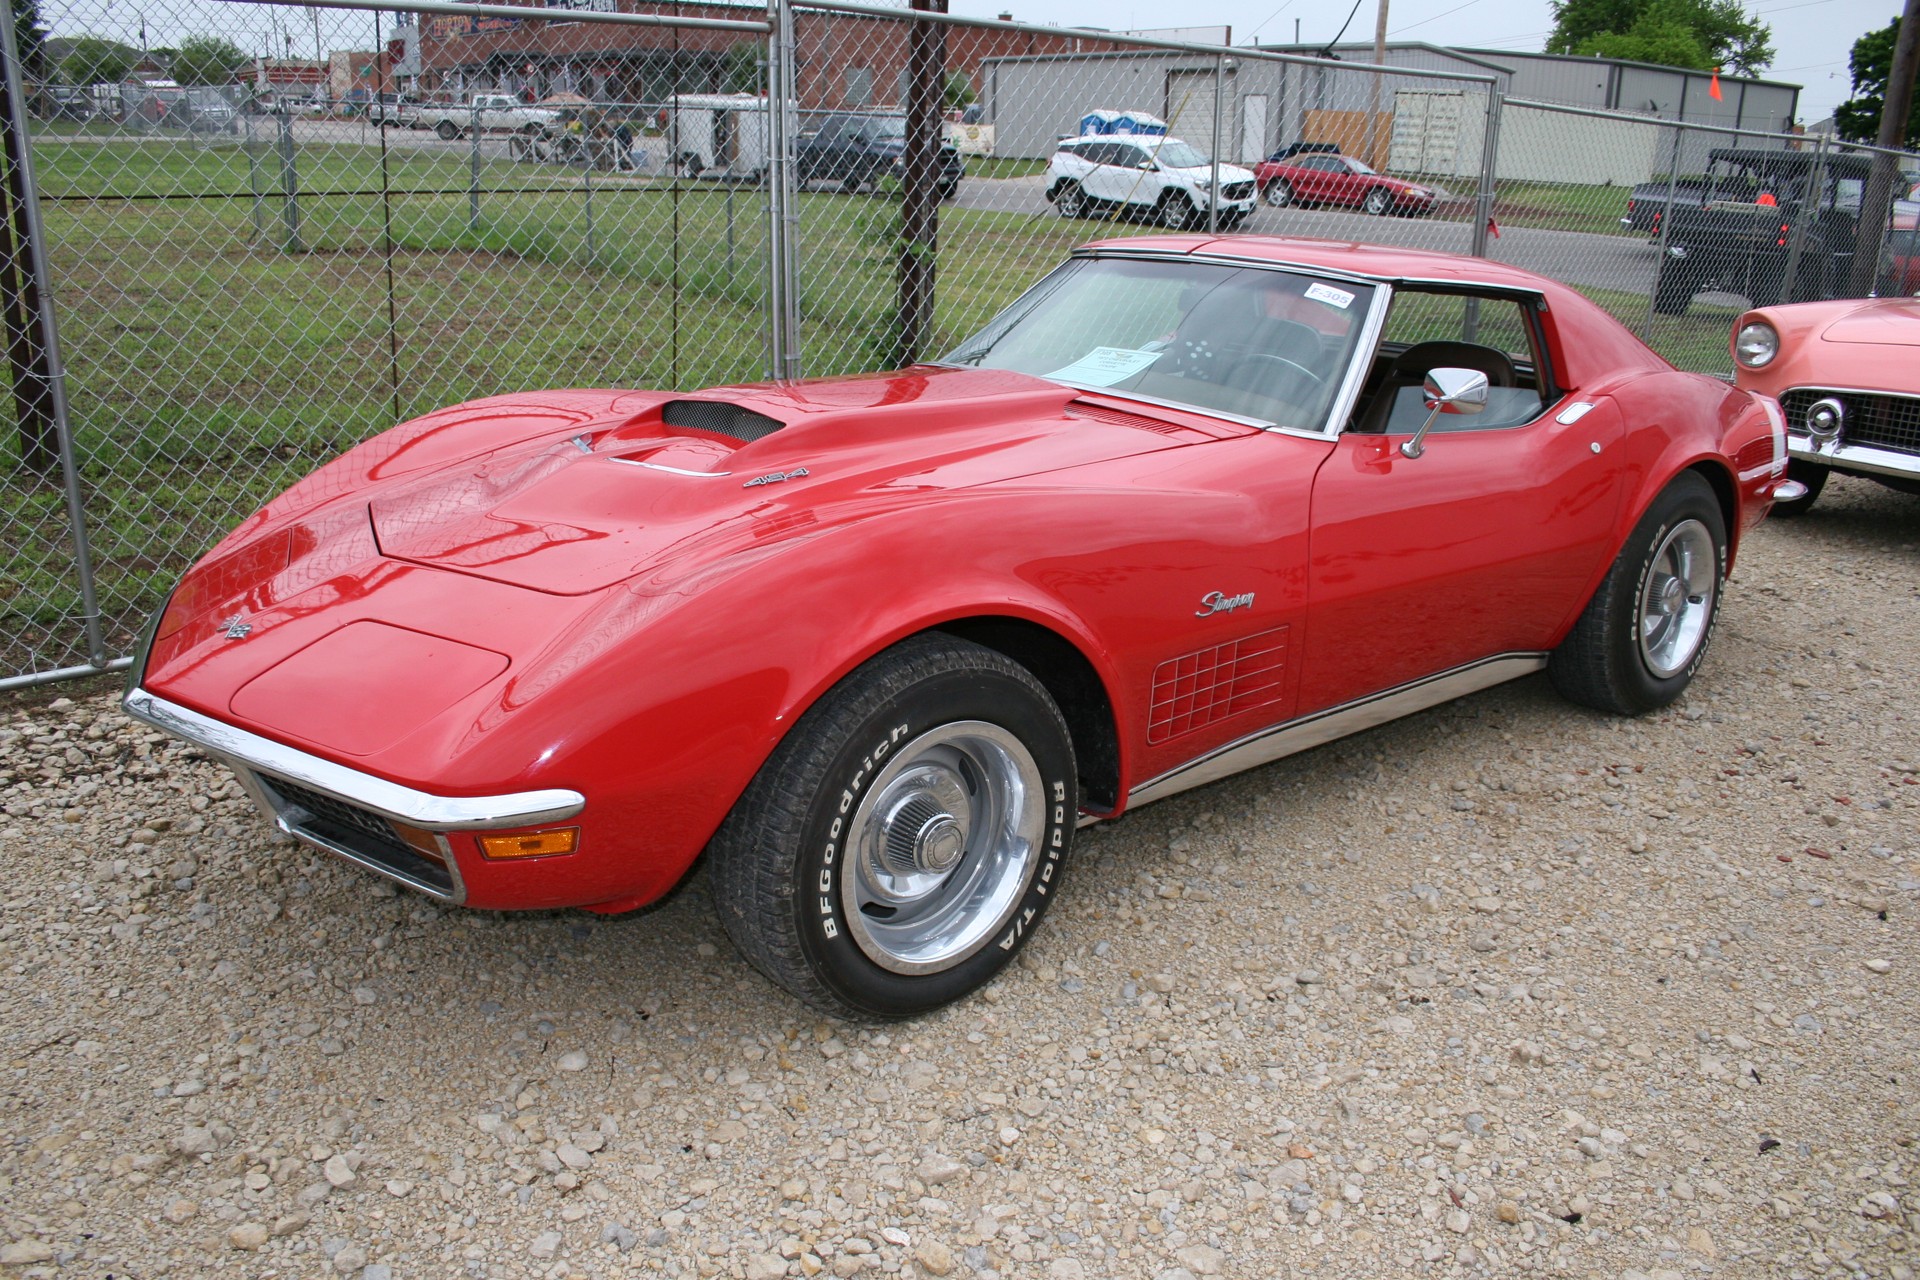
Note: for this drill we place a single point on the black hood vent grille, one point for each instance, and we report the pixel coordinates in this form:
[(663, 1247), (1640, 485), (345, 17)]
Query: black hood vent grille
[(719, 417)]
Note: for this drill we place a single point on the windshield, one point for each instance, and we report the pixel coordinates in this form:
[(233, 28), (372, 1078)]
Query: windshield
[(1359, 166), (888, 129), (1264, 344), (1176, 154)]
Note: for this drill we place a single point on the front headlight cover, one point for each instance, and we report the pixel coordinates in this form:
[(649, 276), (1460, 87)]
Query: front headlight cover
[(1756, 344)]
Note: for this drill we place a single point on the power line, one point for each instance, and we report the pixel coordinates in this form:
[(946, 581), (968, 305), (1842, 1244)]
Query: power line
[(1436, 17)]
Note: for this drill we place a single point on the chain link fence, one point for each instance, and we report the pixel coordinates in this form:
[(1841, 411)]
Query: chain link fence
[(302, 224)]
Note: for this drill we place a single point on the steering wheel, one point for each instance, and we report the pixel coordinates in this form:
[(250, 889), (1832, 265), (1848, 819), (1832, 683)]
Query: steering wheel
[(1245, 375)]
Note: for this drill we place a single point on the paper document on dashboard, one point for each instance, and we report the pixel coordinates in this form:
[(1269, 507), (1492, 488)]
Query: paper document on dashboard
[(1104, 366)]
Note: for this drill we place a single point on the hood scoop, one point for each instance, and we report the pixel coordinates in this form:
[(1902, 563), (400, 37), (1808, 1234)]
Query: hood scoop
[(719, 417)]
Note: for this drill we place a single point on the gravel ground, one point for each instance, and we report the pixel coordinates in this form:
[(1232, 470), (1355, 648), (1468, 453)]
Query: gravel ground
[(1503, 988)]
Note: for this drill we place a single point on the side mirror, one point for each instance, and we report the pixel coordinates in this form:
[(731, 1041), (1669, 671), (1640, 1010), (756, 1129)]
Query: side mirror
[(1146, 166), (1447, 391)]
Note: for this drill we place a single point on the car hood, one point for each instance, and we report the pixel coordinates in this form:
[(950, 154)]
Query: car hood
[(1880, 321), (1228, 173), (729, 469)]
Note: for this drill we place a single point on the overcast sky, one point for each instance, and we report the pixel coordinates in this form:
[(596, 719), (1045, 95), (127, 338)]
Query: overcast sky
[(1811, 38)]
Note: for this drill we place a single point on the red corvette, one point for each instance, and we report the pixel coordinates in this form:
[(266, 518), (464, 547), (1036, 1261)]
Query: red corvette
[(878, 645), (1320, 178)]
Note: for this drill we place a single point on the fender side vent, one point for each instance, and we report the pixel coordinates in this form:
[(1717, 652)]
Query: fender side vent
[(1195, 690), (719, 417)]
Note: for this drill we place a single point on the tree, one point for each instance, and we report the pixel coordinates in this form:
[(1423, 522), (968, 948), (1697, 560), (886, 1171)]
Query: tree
[(1858, 118), (1651, 31), (958, 92), (29, 36), (92, 60), (740, 72), (1659, 35), (208, 60)]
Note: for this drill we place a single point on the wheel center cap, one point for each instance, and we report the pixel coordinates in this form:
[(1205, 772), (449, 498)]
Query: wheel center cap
[(1671, 596), (939, 845)]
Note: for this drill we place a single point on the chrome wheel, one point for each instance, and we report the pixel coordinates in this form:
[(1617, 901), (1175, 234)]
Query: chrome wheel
[(1072, 201), (943, 846), (1676, 601), (1279, 194), (1378, 201)]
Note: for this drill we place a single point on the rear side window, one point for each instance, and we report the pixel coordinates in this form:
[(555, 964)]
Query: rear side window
[(1500, 323)]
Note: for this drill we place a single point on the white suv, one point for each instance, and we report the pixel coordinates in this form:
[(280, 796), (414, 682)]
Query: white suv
[(1163, 178)]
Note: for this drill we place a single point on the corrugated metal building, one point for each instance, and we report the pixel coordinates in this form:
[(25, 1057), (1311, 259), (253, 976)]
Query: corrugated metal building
[(1407, 123)]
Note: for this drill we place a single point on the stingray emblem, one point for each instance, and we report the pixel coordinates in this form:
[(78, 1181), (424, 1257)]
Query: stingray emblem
[(775, 477), (1220, 602), (236, 627)]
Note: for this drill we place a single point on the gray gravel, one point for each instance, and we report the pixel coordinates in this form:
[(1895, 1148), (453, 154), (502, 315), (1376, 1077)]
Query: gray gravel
[(1504, 988)]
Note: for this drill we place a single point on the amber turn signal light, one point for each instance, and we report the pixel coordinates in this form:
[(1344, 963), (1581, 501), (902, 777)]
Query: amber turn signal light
[(539, 844), (424, 843)]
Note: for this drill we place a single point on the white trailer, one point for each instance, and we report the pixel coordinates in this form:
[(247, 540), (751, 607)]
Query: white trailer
[(717, 134)]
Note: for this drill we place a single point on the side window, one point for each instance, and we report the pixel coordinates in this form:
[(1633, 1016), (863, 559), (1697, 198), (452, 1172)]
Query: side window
[(1128, 157), (1426, 331), (1098, 153)]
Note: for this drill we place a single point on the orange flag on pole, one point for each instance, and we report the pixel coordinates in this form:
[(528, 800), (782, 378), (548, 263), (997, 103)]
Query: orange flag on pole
[(1713, 88)]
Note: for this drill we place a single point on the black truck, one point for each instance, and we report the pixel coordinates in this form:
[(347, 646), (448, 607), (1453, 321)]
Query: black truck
[(1774, 226)]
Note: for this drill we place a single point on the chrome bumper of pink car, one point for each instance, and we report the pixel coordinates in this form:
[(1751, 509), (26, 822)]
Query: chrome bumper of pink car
[(1854, 457), (363, 790)]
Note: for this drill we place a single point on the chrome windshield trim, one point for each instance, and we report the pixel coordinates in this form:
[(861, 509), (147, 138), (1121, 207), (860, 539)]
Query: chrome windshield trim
[(388, 799), (1341, 411), (1217, 258), (1323, 727)]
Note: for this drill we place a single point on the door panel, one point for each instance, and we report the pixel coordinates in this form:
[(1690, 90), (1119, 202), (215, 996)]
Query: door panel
[(1483, 545)]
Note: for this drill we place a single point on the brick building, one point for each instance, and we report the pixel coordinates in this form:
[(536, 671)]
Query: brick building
[(844, 60)]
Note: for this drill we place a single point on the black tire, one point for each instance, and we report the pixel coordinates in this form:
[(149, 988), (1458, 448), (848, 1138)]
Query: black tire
[(1810, 474), (948, 190), (448, 130), (1604, 662), (1174, 212), (1378, 202), (1070, 200), (790, 860), (1673, 291), (1279, 194)]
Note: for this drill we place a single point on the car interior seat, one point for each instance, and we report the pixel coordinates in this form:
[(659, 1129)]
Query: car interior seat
[(1408, 373)]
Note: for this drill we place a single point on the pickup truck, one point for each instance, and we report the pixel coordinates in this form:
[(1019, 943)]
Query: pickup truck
[(1647, 203), (1739, 233), (496, 113)]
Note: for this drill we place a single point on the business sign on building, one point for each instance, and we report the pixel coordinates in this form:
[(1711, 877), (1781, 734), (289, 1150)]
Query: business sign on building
[(403, 51)]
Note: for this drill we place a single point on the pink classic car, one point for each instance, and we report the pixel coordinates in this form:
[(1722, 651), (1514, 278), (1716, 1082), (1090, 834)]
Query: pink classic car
[(1847, 381)]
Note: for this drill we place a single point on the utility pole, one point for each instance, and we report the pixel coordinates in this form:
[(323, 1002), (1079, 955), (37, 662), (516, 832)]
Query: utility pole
[(1380, 56), (1877, 205)]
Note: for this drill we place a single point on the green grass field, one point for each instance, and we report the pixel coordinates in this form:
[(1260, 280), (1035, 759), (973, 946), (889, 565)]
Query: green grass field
[(216, 351)]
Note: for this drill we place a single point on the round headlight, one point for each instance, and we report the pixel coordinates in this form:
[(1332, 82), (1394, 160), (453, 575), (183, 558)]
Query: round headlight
[(1756, 344)]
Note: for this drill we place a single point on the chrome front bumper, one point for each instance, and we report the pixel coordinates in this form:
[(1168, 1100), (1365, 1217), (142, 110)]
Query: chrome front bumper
[(343, 810), (1853, 457)]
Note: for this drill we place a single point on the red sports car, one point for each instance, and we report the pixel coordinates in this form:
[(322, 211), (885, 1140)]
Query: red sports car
[(879, 645), (1320, 178)]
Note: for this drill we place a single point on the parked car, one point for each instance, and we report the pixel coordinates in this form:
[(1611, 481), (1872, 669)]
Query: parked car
[(1293, 149), (1315, 179), (1164, 179), (878, 645), (1754, 232), (857, 151), (1847, 379)]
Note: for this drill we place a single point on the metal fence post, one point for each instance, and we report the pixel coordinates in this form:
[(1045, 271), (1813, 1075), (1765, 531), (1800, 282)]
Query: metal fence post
[(1809, 208), (1489, 175), (473, 167), (289, 184), (253, 182), (1213, 186), (1666, 221), (783, 326), (56, 375), (586, 190)]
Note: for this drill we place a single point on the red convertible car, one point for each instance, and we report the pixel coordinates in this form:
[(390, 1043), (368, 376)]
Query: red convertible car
[(879, 645), (1844, 377), (1319, 178)]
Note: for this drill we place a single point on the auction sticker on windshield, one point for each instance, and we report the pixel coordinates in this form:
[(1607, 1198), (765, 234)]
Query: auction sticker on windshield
[(1331, 296), (1104, 366)]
